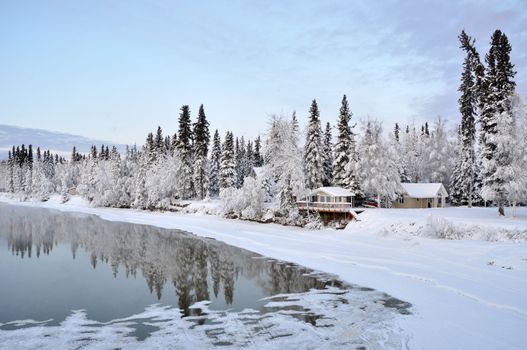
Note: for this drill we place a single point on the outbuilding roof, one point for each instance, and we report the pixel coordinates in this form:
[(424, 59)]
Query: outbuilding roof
[(424, 190), (333, 191)]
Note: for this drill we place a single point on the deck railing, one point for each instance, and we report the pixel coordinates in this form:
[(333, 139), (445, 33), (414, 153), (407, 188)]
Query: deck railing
[(324, 206)]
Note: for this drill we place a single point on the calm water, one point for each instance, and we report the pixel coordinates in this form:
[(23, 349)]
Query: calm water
[(53, 263)]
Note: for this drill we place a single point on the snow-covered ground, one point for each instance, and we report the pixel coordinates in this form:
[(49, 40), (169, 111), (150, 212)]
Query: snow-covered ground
[(468, 293)]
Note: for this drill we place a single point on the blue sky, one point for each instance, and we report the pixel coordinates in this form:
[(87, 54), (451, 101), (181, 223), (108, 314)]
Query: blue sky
[(114, 70)]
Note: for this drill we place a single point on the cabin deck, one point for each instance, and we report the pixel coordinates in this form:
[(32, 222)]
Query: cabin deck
[(325, 207), (331, 211)]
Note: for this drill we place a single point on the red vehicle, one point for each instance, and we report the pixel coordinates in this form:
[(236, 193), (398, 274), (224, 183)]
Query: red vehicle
[(370, 203)]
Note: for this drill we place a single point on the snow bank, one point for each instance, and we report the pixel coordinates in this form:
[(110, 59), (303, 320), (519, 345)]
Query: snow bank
[(482, 224)]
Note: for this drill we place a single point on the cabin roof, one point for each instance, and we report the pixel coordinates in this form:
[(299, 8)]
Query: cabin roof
[(333, 191), (424, 190)]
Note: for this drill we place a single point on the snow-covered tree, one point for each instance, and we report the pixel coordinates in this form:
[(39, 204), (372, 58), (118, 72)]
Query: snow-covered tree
[(464, 186), (201, 149), (440, 161), (283, 161), (377, 168), (516, 188), (214, 170), (314, 151), (495, 99), (328, 156), (258, 158), (346, 158), (184, 147), (227, 163)]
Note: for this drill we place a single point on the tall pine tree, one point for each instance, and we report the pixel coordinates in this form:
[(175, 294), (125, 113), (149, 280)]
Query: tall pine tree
[(214, 171), (464, 184), (313, 151), (328, 156), (227, 164), (201, 149), (344, 164), (184, 147), (497, 90)]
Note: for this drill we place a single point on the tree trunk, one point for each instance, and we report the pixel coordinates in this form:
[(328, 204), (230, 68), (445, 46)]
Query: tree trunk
[(470, 194)]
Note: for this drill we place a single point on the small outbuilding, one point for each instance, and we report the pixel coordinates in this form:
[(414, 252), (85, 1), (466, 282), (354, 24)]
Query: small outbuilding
[(422, 195)]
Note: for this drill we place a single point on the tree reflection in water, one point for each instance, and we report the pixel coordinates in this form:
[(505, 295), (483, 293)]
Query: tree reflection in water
[(196, 267)]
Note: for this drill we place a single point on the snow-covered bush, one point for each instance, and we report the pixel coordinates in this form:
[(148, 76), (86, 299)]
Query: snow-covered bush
[(438, 227), (247, 201)]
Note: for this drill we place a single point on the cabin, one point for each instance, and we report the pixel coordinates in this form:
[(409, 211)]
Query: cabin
[(332, 203), (421, 195)]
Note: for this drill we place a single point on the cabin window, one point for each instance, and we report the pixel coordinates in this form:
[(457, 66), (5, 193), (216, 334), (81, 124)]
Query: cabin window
[(401, 200)]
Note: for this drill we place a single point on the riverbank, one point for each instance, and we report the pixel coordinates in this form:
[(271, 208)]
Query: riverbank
[(466, 293)]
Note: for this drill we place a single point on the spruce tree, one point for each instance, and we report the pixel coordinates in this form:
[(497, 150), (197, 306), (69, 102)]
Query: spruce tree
[(344, 165), (201, 149), (396, 132), (150, 149), (214, 171), (258, 158), (464, 184), (159, 142), (185, 153), (313, 151), (238, 163), (328, 156), (497, 90), (227, 164)]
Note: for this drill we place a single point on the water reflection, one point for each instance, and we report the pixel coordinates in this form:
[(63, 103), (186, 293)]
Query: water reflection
[(73, 280), (195, 267)]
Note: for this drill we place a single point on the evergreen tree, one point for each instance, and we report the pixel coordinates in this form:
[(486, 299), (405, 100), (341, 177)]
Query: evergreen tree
[(396, 132), (497, 90), (201, 149), (258, 158), (328, 156), (214, 171), (464, 181), (344, 164), (159, 142), (185, 173), (314, 152), (227, 164), (168, 144), (150, 149), (238, 154)]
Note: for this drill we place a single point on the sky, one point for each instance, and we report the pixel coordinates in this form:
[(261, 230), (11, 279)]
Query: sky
[(115, 70)]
